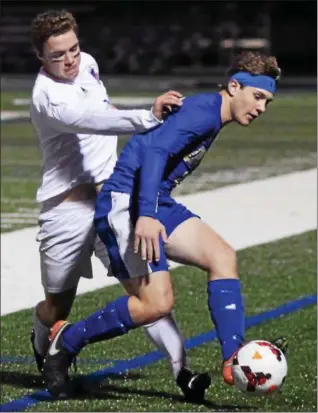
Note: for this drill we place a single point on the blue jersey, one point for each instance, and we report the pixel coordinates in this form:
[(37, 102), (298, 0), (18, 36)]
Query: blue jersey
[(154, 162)]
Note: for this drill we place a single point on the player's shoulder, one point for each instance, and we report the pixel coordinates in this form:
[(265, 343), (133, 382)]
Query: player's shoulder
[(47, 91), (201, 112), (200, 105), (87, 60), (203, 100)]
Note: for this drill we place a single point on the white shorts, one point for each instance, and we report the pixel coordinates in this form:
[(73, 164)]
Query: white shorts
[(68, 239), (115, 220)]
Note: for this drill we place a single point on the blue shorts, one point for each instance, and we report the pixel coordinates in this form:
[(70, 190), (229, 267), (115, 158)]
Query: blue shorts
[(115, 221)]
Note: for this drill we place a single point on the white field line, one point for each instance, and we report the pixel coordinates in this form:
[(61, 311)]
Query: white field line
[(6, 115), (14, 179), (245, 215), (18, 221), (24, 201), (28, 214), (19, 162)]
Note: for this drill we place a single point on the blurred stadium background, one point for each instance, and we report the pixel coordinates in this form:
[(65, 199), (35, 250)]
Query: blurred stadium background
[(177, 40), (143, 48)]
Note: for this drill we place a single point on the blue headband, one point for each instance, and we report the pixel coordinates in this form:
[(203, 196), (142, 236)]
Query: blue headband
[(260, 81)]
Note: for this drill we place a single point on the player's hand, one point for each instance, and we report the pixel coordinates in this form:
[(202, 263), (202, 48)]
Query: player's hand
[(147, 233), (167, 100)]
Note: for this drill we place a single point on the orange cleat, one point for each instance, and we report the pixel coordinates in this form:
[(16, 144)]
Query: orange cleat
[(56, 328), (227, 370)]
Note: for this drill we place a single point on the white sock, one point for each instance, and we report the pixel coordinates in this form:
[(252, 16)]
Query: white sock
[(167, 337), (42, 332)]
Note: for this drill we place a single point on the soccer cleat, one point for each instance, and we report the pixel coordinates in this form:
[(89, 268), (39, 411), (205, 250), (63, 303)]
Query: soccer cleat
[(57, 363), (38, 358), (227, 370), (281, 343), (193, 385)]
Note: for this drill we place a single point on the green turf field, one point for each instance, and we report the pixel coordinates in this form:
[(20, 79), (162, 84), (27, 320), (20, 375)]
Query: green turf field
[(282, 141), (272, 274)]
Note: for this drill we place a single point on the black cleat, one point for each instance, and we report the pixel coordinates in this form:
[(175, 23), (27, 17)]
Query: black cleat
[(57, 363), (281, 343), (38, 358), (193, 385)]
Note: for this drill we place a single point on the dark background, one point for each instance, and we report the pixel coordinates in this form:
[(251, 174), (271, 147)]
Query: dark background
[(171, 37)]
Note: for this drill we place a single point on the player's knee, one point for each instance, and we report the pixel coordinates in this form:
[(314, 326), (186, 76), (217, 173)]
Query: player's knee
[(162, 306), (225, 265)]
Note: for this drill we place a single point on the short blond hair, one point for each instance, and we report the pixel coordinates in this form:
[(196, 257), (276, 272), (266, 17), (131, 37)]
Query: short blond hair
[(51, 23)]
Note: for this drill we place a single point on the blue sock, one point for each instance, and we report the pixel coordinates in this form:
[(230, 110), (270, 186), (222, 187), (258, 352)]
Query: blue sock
[(227, 313), (112, 321)]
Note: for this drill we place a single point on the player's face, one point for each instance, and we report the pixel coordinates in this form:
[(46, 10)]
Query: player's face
[(61, 56), (249, 103)]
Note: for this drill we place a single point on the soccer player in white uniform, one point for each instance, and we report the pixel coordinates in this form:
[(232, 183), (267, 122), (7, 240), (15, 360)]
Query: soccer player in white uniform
[(76, 127)]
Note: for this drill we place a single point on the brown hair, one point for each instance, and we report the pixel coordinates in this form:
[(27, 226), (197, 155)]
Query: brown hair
[(256, 64), (50, 23)]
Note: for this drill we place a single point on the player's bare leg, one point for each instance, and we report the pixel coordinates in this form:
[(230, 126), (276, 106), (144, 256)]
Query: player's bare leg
[(193, 242)]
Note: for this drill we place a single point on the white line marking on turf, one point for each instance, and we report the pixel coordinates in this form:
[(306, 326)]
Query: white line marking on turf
[(245, 215), (19, 214), (19, 221), (27, 179), (19, 201), (20, 162)]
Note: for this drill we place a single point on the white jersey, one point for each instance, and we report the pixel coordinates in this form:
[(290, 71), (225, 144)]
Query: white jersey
[(74, 123)]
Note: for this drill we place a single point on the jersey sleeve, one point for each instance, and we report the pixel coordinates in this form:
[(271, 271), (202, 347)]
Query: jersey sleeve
[(192, 123), (70, 118)]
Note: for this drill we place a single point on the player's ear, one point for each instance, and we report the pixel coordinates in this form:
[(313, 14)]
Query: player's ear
[(40, 57), (38, 54), (233, 86)]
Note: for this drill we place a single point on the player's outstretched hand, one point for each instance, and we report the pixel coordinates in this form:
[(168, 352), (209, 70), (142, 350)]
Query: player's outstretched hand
[(167, 100), (147, 233)]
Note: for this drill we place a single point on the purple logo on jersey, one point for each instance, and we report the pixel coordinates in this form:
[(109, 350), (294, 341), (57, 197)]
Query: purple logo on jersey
[(94, 74)]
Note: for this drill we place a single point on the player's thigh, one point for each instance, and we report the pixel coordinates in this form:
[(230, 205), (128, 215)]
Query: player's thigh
[(66, 243), (149, 281), (195, 243)]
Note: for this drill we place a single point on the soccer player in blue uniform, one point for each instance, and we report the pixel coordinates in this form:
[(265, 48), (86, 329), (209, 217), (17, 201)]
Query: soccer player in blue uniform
[(141, 225)]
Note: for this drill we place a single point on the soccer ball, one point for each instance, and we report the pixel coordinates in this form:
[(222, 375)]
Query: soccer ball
[(259, 368)]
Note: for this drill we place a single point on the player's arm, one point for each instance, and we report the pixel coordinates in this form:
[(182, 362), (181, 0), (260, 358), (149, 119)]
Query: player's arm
[(182, 127), (70, 118), (148, 228), (190, 124)]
